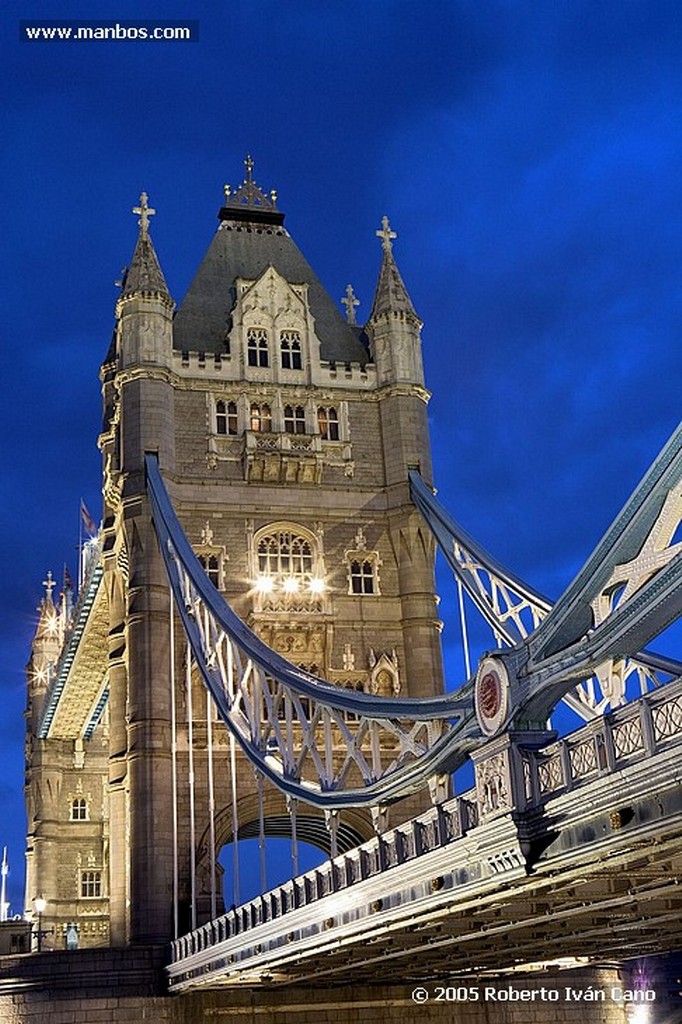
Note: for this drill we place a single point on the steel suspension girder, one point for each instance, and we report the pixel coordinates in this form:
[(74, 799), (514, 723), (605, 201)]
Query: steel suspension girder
[(514, 611), (315, 741), (326, 745)]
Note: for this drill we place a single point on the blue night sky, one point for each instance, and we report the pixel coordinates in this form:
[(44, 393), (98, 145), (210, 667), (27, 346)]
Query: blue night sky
[(529, 155)]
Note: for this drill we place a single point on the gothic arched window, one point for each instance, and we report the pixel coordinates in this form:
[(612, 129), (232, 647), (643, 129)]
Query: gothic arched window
[(261, 418), (290, 350), (288, 564), (294, 419), (257, 347), (79, 809), (226, 419), (284, 556)]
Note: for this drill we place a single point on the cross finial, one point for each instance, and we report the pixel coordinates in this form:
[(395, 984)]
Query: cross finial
[(49, 585), (145, 212), (386, 235), (350, 302), (248, 163)]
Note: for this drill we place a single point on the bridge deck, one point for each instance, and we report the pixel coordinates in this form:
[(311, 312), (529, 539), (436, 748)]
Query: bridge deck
[(590, 868)]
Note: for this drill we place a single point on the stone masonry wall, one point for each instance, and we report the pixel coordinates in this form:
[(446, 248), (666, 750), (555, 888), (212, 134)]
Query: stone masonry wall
[(126, 986)]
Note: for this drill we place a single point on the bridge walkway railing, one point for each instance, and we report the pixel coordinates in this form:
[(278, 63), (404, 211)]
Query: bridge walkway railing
[(618, 740)]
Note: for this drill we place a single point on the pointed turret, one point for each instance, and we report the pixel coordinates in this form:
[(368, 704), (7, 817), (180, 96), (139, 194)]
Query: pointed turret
[(45, 650), (393, 325), (145, 349), (48, 627), (144, 276), (391, 297)]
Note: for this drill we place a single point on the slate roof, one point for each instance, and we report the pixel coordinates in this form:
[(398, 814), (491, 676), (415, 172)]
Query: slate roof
[(244, 246)]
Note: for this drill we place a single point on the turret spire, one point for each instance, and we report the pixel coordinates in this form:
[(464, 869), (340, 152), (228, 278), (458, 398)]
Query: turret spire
[(391, 297), (144, 275)]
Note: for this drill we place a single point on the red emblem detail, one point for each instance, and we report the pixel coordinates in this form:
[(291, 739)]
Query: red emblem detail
[(489, 695)]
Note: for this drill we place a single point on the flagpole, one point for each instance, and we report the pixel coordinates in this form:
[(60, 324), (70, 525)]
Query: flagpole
[(80, 546)]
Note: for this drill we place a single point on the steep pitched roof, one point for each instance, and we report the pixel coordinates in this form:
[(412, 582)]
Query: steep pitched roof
[(249, 239)]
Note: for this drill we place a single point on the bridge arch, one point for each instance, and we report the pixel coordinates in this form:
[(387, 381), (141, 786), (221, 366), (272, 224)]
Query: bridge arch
[(354, 827)]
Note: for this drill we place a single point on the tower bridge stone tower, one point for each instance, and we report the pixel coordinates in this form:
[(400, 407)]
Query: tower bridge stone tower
[(285, 434)]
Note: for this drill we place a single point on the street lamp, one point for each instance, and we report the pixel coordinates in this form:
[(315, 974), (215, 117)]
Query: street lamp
[(39, 905)]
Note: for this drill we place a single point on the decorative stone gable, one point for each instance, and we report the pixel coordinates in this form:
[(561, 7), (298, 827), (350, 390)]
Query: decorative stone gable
[(384, 674), (273, 313)]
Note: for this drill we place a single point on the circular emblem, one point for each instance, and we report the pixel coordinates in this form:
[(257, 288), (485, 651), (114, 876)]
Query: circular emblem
[(491, 695)]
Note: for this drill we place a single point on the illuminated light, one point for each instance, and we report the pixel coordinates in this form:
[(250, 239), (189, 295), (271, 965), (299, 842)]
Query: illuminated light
[(290, 585), (52, 624), (265, 585), (640, 1015), (40, 904), (316, 585)]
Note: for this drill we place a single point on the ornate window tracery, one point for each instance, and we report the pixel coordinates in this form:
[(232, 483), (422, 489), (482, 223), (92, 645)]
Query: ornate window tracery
[(212, 557), (290, 350), (288, 569), (363, 567), (284, 556), (257, 347)]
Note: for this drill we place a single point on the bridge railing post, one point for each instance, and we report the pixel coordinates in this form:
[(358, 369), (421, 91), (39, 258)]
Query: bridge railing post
[(647, 726), (503, 782), (609, 749), (448, 823)]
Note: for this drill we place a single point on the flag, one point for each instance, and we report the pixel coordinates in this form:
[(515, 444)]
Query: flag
[(88, 521)]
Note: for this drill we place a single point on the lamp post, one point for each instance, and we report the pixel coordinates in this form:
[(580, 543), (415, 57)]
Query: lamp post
[(39, 905)]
